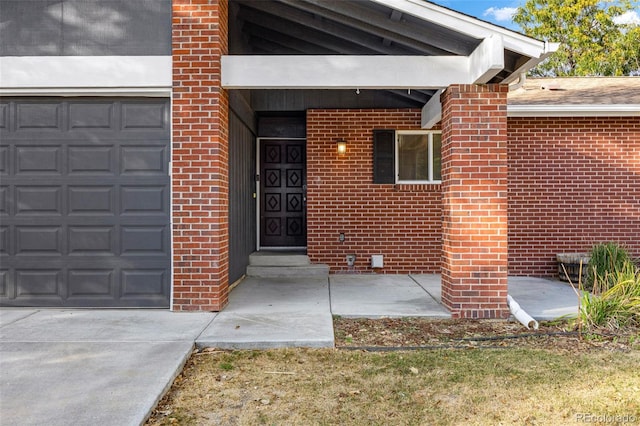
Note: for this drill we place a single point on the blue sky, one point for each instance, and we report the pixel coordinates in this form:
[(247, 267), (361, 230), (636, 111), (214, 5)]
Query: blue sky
[(499, 11), (495, 11)]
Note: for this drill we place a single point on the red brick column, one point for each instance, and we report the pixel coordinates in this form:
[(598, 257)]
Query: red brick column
[(474, 195), (199, 156)]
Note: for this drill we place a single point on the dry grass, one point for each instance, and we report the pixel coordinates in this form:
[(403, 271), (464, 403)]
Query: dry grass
[(330, 387)]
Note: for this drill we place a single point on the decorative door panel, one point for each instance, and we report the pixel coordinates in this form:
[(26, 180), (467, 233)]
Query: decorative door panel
[(283, 193)]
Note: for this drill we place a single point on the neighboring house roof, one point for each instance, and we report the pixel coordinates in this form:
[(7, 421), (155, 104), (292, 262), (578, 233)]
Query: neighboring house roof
[(576, 96)]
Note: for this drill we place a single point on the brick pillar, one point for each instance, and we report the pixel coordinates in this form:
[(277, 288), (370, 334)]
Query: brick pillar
[(474, 195), (200, 156)]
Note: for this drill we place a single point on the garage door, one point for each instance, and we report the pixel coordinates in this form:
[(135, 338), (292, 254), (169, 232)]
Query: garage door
[(84, 202)]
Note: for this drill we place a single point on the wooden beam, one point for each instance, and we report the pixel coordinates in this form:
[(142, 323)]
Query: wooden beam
[(364, 72), (432, 111), (487, 60), (484, 63), (344, 72)]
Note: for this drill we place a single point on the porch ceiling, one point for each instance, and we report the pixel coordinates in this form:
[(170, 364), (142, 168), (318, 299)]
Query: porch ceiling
[(402, 28)]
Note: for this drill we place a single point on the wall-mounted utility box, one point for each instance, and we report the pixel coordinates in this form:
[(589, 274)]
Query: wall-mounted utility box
[(377, 261)]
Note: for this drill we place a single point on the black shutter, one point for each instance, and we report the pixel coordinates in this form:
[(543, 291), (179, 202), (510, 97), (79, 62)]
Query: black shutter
[(384, 156)]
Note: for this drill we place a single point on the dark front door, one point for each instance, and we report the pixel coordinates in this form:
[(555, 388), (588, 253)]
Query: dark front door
[(283, 193)]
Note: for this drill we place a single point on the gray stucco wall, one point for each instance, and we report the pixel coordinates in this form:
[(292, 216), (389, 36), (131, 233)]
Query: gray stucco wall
[(85, 27)]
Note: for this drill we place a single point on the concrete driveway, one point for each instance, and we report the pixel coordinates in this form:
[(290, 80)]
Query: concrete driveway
[(90, 367)]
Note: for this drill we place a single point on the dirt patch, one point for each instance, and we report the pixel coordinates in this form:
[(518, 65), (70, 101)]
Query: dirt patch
[(429, 333)]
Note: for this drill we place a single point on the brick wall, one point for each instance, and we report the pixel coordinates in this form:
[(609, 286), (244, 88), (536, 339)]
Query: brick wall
[(583, 187), (401, 222), (200, 156), (573, 182), (474, 201)]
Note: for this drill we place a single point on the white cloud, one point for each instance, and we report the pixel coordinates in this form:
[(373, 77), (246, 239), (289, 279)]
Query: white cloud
[(501, 14), (628, 18)]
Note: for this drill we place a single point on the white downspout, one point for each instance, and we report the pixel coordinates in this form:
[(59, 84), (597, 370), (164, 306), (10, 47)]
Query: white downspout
[(524, 318)]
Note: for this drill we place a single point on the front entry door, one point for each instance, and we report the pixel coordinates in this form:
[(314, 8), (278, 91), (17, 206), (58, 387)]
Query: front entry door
[(283, 184)]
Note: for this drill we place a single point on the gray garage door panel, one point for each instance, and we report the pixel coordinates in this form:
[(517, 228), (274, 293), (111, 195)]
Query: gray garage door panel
[(84, 202)]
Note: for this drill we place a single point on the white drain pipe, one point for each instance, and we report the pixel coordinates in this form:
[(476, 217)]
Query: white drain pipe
[(524, 318)]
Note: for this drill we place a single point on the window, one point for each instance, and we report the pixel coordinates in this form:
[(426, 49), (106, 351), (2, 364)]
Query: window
[(406, 156), (418, 157)]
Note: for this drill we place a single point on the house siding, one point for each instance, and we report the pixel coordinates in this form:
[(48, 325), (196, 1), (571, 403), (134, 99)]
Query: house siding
[(573, 182), (242, 204), (85, 28), (401, 222)]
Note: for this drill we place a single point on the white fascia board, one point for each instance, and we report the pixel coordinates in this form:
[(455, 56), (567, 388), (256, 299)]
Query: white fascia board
[(468, 25), (347, 71), (611, 110), (85, 74)]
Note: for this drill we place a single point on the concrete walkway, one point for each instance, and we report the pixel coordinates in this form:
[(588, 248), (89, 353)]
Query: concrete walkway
[(110, 367), (273, 312)]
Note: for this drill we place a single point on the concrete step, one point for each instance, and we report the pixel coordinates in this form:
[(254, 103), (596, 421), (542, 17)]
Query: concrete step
[(270, 258), (308, 270)]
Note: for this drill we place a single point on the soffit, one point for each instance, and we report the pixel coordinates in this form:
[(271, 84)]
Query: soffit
[(355, 27), (338, 27)]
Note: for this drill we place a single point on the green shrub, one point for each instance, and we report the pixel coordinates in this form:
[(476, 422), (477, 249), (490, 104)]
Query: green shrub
[(606, 260), (615, 299)]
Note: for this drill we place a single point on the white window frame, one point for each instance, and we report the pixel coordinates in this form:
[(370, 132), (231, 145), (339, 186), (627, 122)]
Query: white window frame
[(429, 134)]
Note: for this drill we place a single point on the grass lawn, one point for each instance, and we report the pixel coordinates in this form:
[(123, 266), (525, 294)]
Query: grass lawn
[(443, 386)]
